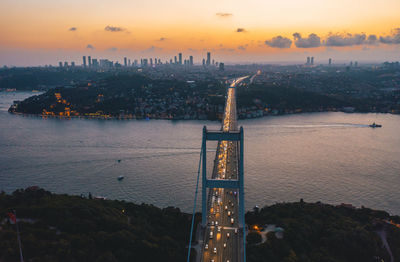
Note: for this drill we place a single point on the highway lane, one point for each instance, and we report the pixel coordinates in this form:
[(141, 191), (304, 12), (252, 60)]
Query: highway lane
[(222, 236)]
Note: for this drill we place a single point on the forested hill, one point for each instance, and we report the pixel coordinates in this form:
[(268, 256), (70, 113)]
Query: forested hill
[(56, 227)]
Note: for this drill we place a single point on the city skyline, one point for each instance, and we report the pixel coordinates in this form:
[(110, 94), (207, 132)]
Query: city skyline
[(38, 33)]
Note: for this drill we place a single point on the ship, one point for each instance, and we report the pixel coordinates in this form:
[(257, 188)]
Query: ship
[(375, 125)]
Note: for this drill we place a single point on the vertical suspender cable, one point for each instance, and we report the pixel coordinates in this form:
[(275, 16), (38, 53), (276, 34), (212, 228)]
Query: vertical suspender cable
[(194, 207)]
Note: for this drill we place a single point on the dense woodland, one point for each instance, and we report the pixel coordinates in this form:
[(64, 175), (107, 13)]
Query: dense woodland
[(57, 227)]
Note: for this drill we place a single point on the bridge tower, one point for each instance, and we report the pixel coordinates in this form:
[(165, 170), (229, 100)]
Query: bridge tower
[(236, 136)]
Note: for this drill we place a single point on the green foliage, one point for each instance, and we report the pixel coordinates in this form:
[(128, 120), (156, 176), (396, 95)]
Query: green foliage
[(71, 228), (318, 232)]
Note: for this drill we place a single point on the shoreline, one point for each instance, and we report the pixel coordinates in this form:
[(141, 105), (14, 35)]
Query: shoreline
[(182, 118)]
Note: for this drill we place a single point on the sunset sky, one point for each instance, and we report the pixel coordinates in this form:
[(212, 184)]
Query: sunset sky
[(38, 32)]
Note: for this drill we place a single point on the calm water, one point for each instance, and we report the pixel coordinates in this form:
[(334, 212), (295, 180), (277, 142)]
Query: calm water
[(328, 157)]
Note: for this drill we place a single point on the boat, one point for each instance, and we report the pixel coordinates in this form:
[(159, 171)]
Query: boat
[(120, 178), (375, 125)]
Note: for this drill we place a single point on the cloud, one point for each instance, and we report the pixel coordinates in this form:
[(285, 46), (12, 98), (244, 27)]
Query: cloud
[(279, 42), (372, 40), (243, 47), (224, 15), (306, 42), (73, 29), (89, 46), (392, 39), (112, 49), (114, 29), (153, 49), (241, 30), (345, 40)]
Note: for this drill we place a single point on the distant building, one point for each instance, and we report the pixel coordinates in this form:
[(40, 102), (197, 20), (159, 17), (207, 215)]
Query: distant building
[(180, 58), (89, 61), (125, 62), (72, 64), (95, 63), (330, 61), (191, 60), (312, 60), (355, 63), (151, 62), (175, 60), (204, 62), (308, 60), (65, 64), (208, 58), (129, 62), (84, 61), (60, 64), (221, 66)]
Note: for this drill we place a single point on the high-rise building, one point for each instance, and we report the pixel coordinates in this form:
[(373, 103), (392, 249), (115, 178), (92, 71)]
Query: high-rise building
[(312, 60), (221, 66), (129, 62), (170, 61), (308, 60), (355, 63), (191, 60), (65, 64), (175, 60), (180, 58), (84, 61), (60, 64), (213, 62), (204, 62), (125, 62), (208, 58), (89, 61), (95, 63), (330, 61), (72, 64), (151, 62), (159, 61)]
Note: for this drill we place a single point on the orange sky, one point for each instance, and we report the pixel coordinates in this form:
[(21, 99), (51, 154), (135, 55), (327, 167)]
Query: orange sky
[(32, 25)]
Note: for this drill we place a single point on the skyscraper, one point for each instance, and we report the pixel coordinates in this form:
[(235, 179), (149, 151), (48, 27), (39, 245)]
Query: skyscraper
[(191, 60), (89, 61), (308, 60), (60, 64), (84, 61), (204, 62), (175, 60), (180, 58), (208, 58), (221, 66), (312, 60), (125, 62), (330, 61)]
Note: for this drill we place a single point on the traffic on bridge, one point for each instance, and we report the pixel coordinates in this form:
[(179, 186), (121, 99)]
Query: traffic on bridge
[(223, 237)]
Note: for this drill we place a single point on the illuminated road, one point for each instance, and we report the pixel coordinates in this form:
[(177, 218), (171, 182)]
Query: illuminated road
[(223, 238)]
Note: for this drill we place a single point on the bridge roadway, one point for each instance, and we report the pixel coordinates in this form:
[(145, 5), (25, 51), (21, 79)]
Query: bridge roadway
[(225, 244)]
